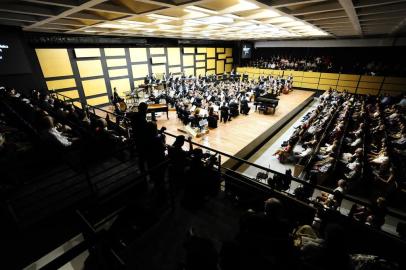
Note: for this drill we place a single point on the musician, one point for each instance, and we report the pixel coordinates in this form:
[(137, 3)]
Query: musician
[(225, 113), (153, 78), (147, 79), (244, 108), (212, 118), (116, 96)]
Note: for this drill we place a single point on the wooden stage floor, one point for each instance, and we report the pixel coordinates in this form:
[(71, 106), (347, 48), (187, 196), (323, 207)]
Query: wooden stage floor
[(233, 136)]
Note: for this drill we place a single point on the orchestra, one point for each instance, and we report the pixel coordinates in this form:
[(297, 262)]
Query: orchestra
[(209, 98)]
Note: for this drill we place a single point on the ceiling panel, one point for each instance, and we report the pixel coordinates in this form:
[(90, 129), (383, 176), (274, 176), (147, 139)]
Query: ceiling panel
[(210, 19)]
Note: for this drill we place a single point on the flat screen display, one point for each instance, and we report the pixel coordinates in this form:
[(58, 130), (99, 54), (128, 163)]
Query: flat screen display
[(246, 51), (13, 59)]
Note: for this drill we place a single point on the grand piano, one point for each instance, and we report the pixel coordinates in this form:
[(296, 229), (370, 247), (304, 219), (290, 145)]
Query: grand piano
[(266, 102)]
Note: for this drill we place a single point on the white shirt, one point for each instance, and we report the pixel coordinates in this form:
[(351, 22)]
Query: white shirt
[(59, 136)]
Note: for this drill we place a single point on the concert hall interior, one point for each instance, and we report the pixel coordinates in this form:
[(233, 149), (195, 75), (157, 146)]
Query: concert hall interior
[(203, 134)]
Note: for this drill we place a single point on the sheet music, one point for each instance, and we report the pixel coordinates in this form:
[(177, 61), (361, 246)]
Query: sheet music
[(203, 122), (203, 112)]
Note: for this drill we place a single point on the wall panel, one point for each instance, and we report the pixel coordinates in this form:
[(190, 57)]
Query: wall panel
[(174, 56), (87, 52), (155, 51), (118, 72), (74, 94), (188, 60), (138, 54), (98, 100), (228, 68), (90, 68), (88, 72), (211, 63), (175, 70), (189, 50), (114, 51), (140, 70), (94, 87), (211, 52), (122, 85), (189, 71), (159, 69), (61, 84), (220, 67), (54, 62), (121, 62)]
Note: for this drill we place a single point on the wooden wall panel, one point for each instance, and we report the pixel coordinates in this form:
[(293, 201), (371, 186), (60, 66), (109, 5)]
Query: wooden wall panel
[(200, 57), (220, 67), (54, 62), (73, 94), (211, 63), (61, 84), (98, 100), (188, 60), (159, 69), (173, 56), (120, 62), (349, 77), (333, 76), (155, 51), (94, 87), (122, 85), (228, 68), (140, 70), (175, 70), (229, 52), (138, 55), (87, 52), (158, 60), (200, 71), (200, 64), (211, 52), (90, 68), (189, 50), (118, 72), (189, 71), (114, 51)]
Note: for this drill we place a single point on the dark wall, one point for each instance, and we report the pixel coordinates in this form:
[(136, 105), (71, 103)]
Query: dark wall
[(32, 40), (32, 77), (348, 59)]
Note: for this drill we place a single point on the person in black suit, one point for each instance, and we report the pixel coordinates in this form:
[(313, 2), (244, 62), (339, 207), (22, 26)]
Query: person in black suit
[(224, 113), (244, 108), (213, 118), (116, 97)]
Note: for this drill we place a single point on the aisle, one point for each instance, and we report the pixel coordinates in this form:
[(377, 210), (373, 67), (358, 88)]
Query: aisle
[(264, 156)]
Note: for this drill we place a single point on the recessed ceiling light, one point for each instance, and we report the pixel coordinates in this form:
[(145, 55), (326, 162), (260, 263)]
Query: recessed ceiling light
[(192, 14), (132, 22), (241, 6), (281, 19), (265, 13), (290, 24), (216, 19), (205, 10), (157, 16), (232, 16), (111, 25)]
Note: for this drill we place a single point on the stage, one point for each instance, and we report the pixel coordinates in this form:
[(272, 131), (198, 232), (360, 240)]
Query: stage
[(243, 134)]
